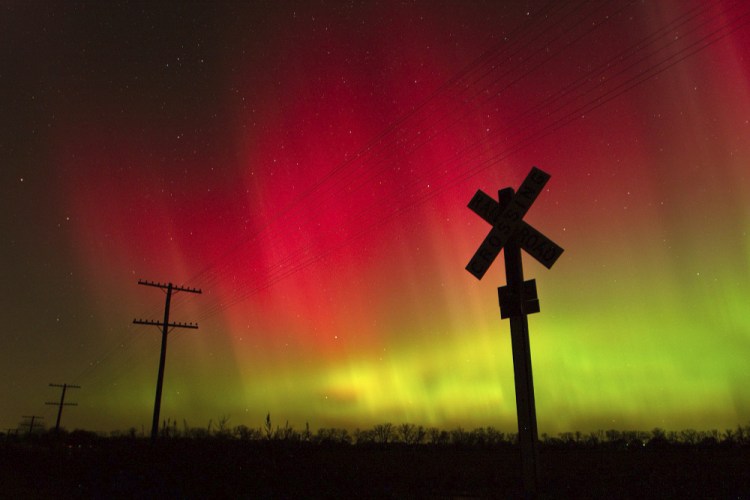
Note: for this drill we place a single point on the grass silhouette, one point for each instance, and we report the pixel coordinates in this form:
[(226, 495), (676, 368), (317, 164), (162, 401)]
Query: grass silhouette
[(386, 461)]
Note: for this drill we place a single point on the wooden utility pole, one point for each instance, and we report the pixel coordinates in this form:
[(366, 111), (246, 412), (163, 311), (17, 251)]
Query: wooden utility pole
[(518, 298), (165, 329), (62, 402), (33, 418)]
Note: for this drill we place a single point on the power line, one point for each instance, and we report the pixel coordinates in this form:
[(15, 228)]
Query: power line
[(546, 130), (361, 182), (525, 28), (323, 187), (304, 258)]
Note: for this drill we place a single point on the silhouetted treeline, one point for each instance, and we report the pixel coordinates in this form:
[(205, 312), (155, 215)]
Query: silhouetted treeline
[(219, 460), (411, 434)]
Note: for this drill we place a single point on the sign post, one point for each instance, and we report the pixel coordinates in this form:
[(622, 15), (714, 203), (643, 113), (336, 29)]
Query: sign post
[(517, 298)]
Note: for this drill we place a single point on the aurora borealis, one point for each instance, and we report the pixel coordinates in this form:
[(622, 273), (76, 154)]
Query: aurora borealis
[(308, 166)]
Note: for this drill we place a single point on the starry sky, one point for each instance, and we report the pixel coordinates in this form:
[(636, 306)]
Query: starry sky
[(308, 166)]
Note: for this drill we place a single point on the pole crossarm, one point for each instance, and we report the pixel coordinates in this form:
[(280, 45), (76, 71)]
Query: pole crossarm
[(175, 288), (152, 322)]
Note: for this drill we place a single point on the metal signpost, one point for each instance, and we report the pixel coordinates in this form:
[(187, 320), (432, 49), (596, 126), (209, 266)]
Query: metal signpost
[(518, 298)]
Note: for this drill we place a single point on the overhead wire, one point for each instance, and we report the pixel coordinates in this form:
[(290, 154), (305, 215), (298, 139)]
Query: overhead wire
[(305, 258), (354, 184), (599, 101), (495, 51), (393, 128)]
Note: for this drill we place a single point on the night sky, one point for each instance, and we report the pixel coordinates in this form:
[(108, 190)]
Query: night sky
[(308, 166)]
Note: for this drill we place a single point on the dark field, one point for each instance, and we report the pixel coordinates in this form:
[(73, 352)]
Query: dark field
[(215, 468)]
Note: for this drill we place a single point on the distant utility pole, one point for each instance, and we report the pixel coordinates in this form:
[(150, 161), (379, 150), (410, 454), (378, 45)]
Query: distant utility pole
[(31, 423), (165, 329), (62, 402)]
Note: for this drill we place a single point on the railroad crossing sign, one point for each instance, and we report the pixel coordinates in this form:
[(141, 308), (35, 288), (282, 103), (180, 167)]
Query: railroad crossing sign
[(518, 298), (508, 223)]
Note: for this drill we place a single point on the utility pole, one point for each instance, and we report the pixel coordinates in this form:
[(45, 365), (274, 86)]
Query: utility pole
[(62, 402), (165, 329), (31, 423)]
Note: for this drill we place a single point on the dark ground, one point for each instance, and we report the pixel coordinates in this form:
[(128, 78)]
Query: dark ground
[(213, 468)]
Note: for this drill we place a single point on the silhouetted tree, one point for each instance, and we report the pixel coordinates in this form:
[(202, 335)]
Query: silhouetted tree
[(709, 438), (728, 437), (495, 437), (332, 436), (383, 433), (566, 438), (742, 434), (595, 438), (364, 436), (687, 436), (478, 437), (613, 436), (634, 439), (438, 436), (459, 436), (658, 437), (410, 433)]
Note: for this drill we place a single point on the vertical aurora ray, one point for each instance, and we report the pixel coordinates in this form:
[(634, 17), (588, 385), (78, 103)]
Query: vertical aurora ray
[(300, 183)]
